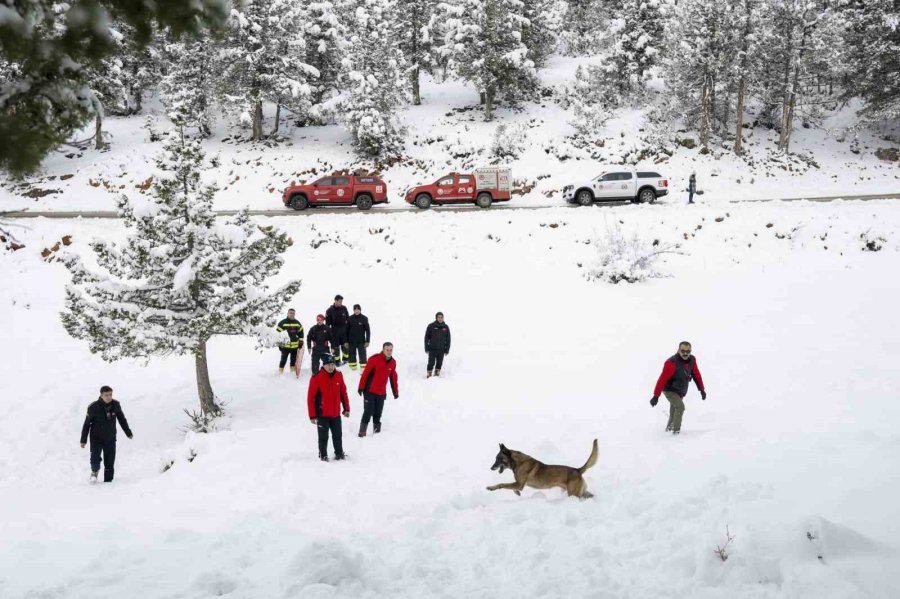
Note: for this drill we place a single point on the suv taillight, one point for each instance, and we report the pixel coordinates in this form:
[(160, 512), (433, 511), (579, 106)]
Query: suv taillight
[(663, 183)]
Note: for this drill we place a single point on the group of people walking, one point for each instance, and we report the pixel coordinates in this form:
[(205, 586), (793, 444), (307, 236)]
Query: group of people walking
[(328, 399)]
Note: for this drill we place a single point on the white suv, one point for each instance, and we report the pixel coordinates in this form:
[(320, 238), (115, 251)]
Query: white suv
[(636, 186)]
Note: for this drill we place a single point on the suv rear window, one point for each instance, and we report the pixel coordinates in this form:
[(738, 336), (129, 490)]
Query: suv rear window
[(616, 176), (648, 175)]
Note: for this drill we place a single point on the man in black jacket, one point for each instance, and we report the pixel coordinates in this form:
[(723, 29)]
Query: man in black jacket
[(319, 341), (101, 424), (437, 344), (358, 334), (294, 344), (337, 317)]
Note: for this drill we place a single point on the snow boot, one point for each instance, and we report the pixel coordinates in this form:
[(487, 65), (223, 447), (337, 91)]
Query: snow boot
[(340, 456), (281, 371), (437, 372), (428, 374), (676, 432), (376, 428), (668, 428), (324, 458), (362, 430), (94, 474)]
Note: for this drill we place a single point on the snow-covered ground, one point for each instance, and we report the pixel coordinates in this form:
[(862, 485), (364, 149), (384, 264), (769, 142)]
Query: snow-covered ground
[(447, 133), (795, 330)]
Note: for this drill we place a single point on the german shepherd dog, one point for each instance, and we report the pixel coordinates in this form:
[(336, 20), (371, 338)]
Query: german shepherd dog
[(532, 473)]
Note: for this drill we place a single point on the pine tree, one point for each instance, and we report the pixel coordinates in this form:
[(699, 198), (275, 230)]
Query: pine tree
[(263, 60), (373, 81), (545, 22), (415, 27), (483, 43), (187, 90), (873, 45), (180, 277), (637, 42), (325, 35), (50, 45), (583, 23)]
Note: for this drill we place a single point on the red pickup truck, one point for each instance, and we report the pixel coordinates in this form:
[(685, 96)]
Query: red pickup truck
[(483, 187), (337, 190)]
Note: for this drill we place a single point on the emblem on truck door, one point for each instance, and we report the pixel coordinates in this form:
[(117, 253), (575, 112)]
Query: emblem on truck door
[(340, 192), (378, 189)]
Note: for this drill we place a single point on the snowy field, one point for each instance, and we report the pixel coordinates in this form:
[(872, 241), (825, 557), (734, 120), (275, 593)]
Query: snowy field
[(447, 133), (795, 330)]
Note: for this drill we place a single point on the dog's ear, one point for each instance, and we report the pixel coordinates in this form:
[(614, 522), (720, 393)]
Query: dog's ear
[(503, 447)]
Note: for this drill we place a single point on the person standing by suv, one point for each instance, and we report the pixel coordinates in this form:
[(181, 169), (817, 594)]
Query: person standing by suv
[(692, 187), (294, 329), (380, 370), (358, 334), (100, 424), (319, 342), (337, 317), (437, 344), (678, 371)]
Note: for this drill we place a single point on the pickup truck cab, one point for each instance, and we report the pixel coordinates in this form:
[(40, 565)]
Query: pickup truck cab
[(617, 185), (482, 188), (337, 190)]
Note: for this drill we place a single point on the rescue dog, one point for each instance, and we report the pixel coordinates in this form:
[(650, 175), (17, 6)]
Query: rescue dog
[(531, 473)]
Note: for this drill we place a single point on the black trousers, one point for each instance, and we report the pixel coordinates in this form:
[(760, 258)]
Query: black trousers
[(358, 350), (334, 425), (316, 359), (108, 450), (285, 352), (339, 343), (435, 359), (373, 405)]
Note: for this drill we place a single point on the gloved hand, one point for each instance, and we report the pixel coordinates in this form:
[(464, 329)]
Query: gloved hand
[(703, 395), (130, 436), (312, 421), (396, 397), (654, 400), (447, 353), (346, 413), (360, 391)]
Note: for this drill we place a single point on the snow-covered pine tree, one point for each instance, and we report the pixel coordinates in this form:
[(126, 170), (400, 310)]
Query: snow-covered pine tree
[(748, 18), (801, 40), (873, 51), (180, 277), (584, 21), (262, 59), (592, 97), (638, 41), (187, 90), (700, 72), (325, 35), (373, 80), (483, 44), (545, 22), (415, 22)]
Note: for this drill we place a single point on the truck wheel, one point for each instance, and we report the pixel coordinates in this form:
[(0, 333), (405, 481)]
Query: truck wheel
[(299, 202), (483, 200), (584, 197), (646, 196), (423, 201), (364, 201)]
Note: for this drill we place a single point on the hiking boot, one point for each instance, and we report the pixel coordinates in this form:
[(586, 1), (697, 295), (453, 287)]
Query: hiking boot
[(94, 476), (668, 428), (281, 371), (676, 432), (428, 375), (377, 428), (362, 429), (324, 458), (340, 456), (437, 372)]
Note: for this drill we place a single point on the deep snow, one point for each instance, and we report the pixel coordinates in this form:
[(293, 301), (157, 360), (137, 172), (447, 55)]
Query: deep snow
[(797, 344)]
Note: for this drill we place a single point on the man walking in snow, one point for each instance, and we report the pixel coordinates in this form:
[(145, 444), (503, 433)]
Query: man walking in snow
[(692, 187), (100, 423), (358, 334), (327, 393), (319, 343), (437, 344), (337, 317), (294, 329), (380, 370), (677, 373)]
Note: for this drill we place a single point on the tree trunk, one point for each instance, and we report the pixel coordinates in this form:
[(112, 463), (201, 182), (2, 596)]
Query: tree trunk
[(489, 104), (257, 121), (277, 118), (790, 100), (481, 98), (417, 99), (98, 130), (739, 112), (208, 405), (704, 115)]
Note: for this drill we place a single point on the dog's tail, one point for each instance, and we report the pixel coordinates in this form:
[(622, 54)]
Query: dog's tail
[(591, 460)]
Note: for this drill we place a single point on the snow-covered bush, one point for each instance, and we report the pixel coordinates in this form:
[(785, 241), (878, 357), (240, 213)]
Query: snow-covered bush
[(508, 142), (592, 96), (629, 259)]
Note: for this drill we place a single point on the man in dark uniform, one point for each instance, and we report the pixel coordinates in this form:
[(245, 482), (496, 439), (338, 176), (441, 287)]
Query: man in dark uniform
[(437, 344), (100, 423), (358, 334), (295, 342), (678, 372), (319, 342), (337, 317)]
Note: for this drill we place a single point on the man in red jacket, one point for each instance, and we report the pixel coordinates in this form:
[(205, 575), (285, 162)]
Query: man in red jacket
[(327, 392), (678, 371), (373, 387)]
